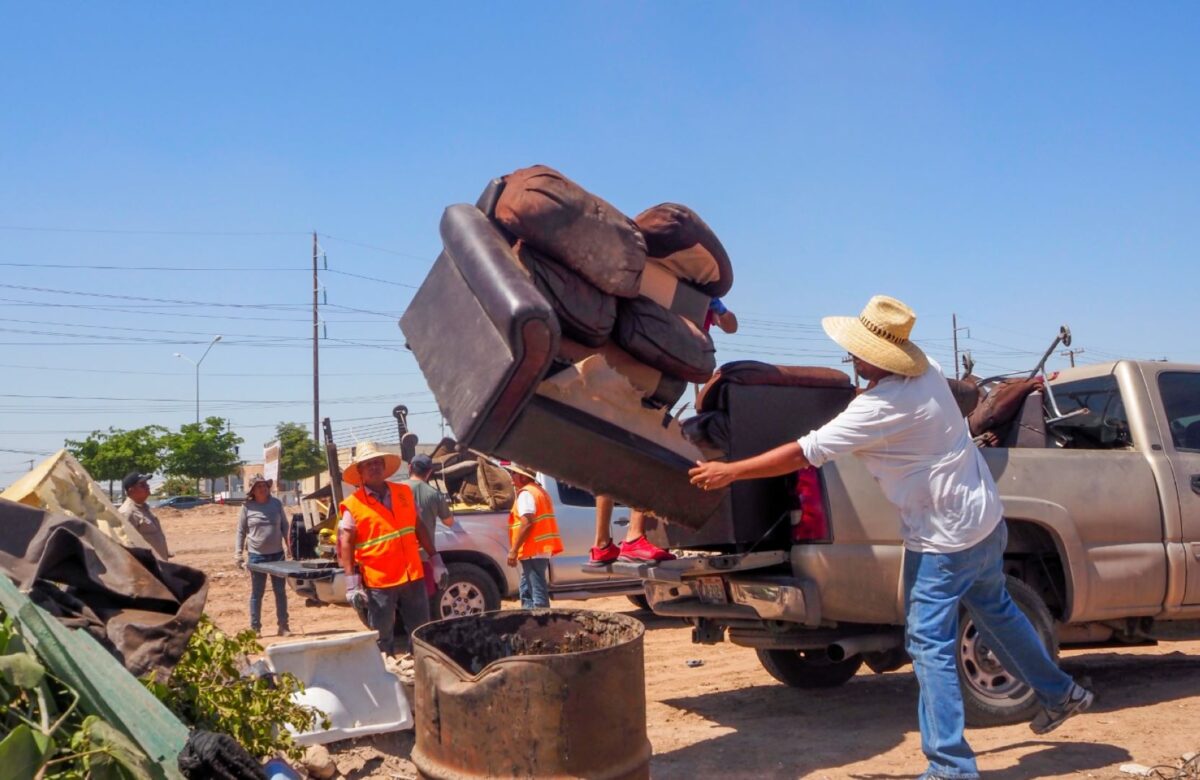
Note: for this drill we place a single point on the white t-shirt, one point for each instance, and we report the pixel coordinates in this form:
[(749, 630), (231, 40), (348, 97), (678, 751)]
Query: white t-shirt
[(911, 436), (527, 506)]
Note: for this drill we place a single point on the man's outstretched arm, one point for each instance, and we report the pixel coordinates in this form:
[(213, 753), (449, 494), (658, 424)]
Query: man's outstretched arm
[(714, 474)]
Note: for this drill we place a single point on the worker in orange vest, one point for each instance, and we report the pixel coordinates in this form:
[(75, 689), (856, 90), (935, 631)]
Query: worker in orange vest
[(533, 535), (379, 532)]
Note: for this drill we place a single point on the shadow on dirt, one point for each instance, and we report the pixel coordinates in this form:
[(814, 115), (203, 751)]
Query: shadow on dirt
[(881, 710)]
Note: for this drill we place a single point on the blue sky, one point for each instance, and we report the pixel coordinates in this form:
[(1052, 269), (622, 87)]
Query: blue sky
[(1020, 165)]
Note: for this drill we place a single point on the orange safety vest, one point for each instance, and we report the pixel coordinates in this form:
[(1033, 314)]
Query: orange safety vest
[(385, 541), (543, 537)]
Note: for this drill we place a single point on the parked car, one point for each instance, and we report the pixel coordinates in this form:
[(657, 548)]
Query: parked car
[(475, 549), (181, 502)]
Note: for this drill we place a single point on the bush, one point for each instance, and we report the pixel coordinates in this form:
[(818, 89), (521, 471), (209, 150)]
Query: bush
[(208, 691)]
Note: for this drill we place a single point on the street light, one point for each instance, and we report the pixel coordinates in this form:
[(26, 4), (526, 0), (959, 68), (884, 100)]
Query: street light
[(197, 363)]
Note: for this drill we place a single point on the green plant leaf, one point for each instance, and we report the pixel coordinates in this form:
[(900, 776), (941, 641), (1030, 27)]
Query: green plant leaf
[(122, 759), (23, 752), (22, 670)]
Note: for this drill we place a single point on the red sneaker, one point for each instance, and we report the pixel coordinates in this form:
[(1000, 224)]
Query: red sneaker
[(642, 551), (602, 556)]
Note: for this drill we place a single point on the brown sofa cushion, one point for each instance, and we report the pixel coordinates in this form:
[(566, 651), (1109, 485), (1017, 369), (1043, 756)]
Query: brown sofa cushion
[(677, 237), (664, 340), (587, 234), (584, 313)]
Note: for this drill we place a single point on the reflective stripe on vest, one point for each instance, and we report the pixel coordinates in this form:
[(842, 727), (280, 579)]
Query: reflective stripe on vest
[(543, 536), (385, 546)]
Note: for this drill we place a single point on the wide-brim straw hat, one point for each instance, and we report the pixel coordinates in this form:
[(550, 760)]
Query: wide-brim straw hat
[(517, 468), (369, 450), (880, 336), (255, 481)]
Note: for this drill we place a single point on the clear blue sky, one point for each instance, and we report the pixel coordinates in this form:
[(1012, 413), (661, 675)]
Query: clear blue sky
[(1021, 165)]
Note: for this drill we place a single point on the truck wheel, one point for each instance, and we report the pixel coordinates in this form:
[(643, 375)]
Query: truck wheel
[(808, 668), (639, 602), (469, 591), (991, 695)]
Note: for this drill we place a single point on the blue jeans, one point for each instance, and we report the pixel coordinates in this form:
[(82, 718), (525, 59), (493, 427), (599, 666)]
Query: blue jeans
[(535, 587), (934, 585), (258, 585)]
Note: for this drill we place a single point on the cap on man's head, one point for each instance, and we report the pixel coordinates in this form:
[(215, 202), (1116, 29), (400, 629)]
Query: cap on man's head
[(421, 464), (134, 477)]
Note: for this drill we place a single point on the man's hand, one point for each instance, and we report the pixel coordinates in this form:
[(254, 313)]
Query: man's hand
[(354, 592), (440, 574), (512, 558), (712, 475), (238, 561)]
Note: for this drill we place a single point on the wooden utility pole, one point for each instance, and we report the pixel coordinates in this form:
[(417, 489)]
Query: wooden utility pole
[(316, 429), (1071, 353), (954, 325)]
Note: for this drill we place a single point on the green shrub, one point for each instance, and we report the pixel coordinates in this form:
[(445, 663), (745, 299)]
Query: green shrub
[(207, 691)]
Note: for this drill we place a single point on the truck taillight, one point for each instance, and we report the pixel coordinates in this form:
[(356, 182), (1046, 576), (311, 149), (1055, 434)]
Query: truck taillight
[(810, 522)]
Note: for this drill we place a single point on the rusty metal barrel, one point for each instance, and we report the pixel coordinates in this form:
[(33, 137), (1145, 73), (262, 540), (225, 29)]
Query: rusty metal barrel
[(555, 693)]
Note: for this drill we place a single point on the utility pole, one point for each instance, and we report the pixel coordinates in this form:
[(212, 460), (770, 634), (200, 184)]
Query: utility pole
[(954, 325), (1071, 353), (316, 361)]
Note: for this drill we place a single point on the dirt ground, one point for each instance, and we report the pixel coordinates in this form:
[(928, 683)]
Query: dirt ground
[(728, 718)]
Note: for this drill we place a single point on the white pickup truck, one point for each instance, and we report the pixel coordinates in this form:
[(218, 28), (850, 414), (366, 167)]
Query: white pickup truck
[(474, 550)]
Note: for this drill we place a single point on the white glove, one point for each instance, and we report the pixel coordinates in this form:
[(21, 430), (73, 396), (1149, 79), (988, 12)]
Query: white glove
[(440, 574), (354, 592)]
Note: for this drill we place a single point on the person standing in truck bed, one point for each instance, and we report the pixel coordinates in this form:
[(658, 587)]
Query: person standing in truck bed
[(907, 430)]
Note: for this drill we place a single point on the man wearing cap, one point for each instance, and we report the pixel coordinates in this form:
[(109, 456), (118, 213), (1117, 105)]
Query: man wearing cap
[(907, 430), (137, 512), (533, 534), (379, 532), (431, 507)]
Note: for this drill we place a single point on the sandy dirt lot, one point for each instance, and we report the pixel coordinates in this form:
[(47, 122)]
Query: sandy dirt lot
[(729, 718)]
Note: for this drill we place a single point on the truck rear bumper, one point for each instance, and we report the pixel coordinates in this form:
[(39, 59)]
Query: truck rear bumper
[(745, 597)]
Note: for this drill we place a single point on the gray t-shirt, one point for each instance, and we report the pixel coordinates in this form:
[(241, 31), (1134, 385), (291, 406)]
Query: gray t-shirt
[(141, 518), (431, 504), (261, 528)]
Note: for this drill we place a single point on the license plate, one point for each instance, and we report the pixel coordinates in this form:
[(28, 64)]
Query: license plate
[(711, 590)]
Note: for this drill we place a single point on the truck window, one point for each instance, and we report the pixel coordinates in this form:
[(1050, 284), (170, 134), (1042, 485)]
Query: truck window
[(573, 496), (1104, 426), (1180, 392)]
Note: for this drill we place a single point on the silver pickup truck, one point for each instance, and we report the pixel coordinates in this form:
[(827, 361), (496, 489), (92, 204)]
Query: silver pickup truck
[(1100, 481), (474, 550)]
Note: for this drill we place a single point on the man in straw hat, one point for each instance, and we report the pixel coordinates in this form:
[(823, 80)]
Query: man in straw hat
[(379, 532), (907, 430), (533, 535)]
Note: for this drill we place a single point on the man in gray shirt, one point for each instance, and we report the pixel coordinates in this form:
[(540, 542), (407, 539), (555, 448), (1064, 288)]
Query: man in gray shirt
[(137, 512), (431, 507)]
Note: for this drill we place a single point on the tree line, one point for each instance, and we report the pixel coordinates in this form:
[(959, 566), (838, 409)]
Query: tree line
[(207, 450)]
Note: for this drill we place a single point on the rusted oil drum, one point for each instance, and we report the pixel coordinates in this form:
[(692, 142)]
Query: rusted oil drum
[(556, 693)]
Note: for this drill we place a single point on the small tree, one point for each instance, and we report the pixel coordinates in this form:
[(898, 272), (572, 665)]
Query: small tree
[(299, 455), (109, 456), (176, 485), (202, 450)]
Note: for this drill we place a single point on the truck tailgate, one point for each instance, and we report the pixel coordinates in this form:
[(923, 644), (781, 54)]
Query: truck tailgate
[(304, 570), (695, 566)]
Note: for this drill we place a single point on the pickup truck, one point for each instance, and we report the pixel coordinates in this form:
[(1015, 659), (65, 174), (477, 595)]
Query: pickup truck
[(474, 550), (1100, 481)]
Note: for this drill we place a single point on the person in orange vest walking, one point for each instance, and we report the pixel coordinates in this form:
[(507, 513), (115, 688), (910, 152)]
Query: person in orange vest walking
[(533, 535), (379, 532)]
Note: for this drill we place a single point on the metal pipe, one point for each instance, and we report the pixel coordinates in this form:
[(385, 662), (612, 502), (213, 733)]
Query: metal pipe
[(866, 643)]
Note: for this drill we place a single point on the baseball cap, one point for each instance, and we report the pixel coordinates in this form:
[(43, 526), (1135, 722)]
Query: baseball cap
[(132, 478), (421, 464)]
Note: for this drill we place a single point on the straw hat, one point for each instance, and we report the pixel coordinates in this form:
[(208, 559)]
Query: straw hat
[(516, 468), (369, 450), (880, 336)]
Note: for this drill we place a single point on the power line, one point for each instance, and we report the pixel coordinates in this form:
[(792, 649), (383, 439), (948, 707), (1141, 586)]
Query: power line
[(139, 232)]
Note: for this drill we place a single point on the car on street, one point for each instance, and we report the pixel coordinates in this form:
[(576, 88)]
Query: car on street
[(181, 502)]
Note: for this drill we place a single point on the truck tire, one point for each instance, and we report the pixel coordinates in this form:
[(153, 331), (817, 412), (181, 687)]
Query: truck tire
[(991, 695), (639, 601), (808, 668), (469, 591)]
